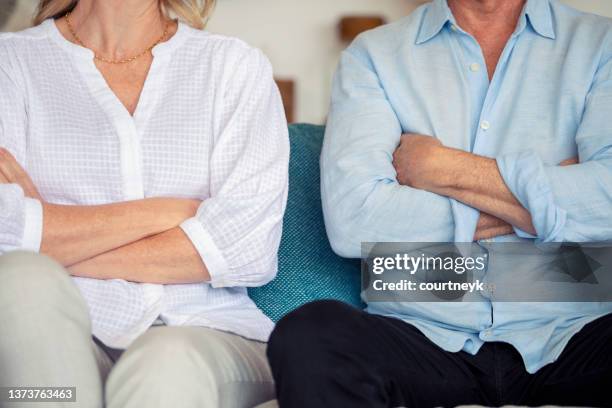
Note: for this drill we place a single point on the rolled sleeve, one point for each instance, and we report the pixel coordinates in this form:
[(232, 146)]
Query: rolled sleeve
[(21, 217), (21, 220), (33, 225), (571, 203), (237, 229), (211, 255), (525, 176), (362, 199)]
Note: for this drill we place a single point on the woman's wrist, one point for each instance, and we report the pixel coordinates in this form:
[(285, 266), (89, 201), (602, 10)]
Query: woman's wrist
[(168, 213)]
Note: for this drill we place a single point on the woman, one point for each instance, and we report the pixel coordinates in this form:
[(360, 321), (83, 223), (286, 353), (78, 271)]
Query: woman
[(147, 159)]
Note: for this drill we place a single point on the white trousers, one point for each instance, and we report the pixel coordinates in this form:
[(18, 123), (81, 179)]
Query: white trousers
[(46, 341)]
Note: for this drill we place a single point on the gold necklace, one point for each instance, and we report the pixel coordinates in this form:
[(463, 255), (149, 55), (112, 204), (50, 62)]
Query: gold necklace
[(109, 61)]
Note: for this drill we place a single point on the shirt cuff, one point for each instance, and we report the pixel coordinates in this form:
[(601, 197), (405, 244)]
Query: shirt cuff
[(523, 234), (211, 255), (524, 174), (33, 225)]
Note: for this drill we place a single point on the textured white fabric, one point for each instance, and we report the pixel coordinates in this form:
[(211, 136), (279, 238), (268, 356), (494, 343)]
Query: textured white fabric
[(209, 125)]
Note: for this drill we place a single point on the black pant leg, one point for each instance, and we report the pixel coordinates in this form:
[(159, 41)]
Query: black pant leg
[(582, 375), (329, 354)]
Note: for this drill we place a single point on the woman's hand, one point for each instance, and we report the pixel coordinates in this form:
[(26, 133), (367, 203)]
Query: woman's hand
[(72, 234), (11, 172)]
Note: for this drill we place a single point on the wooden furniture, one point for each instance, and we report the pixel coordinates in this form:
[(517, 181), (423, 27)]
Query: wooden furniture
[(287, 91), (350, 27)]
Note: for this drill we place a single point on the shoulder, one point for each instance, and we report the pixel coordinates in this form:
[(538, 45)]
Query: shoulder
[(579, 25), (222, 49), (15, 45), (28, 36), (591, 33), (565, 14)]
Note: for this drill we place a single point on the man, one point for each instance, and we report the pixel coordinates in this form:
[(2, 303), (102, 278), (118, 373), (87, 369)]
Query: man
[(469, 120)]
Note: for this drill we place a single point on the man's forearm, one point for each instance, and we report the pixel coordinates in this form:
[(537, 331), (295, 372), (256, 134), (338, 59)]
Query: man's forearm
[(477, 182), (490, 226), (72, 234), (165, 258)]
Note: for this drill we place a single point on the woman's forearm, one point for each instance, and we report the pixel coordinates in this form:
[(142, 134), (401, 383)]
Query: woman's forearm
[(72, 234), (165, 258)]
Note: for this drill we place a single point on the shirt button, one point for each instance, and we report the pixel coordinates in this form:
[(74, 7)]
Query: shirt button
[(485, 125), (453, 27), (487, 333), (474, 67)]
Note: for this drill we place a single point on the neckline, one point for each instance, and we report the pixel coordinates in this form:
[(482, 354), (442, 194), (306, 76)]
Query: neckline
[(160, 49), (101, 91)]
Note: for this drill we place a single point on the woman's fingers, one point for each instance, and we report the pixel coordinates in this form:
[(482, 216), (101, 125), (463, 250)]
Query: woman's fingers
[(5, 165), (12, 172)]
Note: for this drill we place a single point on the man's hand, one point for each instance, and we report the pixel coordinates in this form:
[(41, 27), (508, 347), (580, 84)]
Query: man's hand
[(490, 226), (417, 159), (569, 162), (423, 162), (12, 173)]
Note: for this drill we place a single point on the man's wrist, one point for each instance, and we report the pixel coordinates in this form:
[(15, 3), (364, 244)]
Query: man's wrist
[(442, 170), (458, 171)]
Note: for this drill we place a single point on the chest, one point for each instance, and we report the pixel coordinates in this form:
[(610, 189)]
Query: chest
[(103, 135), (492, 49), (535, 100), (127, 80)]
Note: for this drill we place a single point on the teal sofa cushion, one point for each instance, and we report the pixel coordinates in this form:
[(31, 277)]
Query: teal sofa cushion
[(308, 269)]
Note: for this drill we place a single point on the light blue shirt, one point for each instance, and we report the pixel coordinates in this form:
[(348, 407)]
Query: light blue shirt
[(549, 100)]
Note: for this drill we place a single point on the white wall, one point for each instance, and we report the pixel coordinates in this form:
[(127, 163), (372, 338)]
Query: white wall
[(603, 7), (299, 37)]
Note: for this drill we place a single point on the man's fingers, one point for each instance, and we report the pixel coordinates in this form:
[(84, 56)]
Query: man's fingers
[(569, 162), (487, 221), (489, 226), (394, 157)]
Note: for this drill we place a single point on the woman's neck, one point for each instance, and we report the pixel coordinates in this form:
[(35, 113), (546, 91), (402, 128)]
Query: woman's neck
[(117, 29)]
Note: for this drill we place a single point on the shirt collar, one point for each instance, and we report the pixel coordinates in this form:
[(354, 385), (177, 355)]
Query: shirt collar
[(540, 17), (438, 14)]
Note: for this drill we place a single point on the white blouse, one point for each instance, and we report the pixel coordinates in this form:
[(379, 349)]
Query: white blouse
[(209, 125)]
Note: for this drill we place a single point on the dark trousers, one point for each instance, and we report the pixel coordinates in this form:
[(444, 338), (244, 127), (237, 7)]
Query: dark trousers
[(329, 354)]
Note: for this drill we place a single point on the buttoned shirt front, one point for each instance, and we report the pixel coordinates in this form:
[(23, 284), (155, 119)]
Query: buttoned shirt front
[(550, 99), (209, 125)]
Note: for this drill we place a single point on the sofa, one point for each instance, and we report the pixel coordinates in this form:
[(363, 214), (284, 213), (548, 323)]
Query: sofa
[(308, 269)]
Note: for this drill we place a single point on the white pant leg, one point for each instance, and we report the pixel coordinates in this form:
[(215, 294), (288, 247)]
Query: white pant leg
[(193, 367), (269, 404), (45, 338)]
